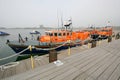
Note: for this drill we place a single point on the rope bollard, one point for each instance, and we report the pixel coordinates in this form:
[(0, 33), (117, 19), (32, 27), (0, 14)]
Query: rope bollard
[(32, 61), (88, 45), (109, 39), (113, 38), (99, 42), (106, 40), (52, 56), (52, 53), (117, 36), (93, 44), (69, 51)]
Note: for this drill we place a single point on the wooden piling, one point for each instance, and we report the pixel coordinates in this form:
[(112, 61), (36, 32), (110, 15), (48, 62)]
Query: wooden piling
[(52, 56), (109, 39), (93, 44), (117, 36)]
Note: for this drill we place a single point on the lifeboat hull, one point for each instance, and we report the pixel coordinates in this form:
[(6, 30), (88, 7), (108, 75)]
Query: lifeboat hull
[(40, 48)]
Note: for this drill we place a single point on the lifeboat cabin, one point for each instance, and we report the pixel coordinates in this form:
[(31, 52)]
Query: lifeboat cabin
[(105, 33), (57, 36)]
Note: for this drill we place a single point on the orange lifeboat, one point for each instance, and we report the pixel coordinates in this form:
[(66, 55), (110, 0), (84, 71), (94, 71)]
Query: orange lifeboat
[(105, 32), (56, 36)]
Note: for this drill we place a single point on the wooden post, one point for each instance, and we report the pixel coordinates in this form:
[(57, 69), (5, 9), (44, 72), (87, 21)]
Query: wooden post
[(109, 39), (93, 44), (52, 56), (99, 42), (117, 36), (69, 52), (31, 58), (32, 62), (88, 45)]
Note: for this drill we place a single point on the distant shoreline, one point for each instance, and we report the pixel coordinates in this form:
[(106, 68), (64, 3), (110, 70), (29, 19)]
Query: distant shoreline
[(114, 27)]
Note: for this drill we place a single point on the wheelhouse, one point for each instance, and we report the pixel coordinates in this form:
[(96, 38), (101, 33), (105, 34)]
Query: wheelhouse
[(58, 33), (56, 36)]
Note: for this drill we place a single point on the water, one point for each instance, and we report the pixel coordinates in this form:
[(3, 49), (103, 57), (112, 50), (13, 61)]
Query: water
[(14, 33), (6, 50)]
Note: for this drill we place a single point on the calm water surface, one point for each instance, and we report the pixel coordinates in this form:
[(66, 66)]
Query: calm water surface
[(26, 33), (7, 51), (14, 33)]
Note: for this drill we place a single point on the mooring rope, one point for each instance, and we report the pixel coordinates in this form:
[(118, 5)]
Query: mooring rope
[(52, 48), (14, 54), (69, 41), (47, 49)]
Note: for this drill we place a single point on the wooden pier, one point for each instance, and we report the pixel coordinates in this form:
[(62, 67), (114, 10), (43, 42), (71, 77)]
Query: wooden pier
[(99, 63)]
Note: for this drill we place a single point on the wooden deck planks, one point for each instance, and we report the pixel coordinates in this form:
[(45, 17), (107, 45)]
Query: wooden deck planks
[(107, 73), (97, 64), (94, 68), (99, 71), (78, 76), (116, 74), (52, 72), (55, 72), (60, 77)]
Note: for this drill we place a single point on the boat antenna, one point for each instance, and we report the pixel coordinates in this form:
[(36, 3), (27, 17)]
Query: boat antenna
[(58, 19), (20, 38), (71, 23), (61, 20), (108, 24)]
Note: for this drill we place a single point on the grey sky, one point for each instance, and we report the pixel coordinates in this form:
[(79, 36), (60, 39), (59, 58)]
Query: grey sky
[(31, 13)]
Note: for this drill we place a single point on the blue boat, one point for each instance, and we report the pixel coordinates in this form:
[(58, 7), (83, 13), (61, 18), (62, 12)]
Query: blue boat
[(3, 33), (35, 32)]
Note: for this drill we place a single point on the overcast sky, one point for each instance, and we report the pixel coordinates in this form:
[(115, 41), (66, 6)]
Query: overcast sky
[(32, 13)]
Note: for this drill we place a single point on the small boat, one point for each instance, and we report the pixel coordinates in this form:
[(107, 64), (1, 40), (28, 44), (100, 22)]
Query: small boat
[(104, 33), (3, 33), (35, 32)]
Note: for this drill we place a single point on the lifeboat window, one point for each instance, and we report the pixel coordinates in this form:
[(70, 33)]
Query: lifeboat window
[(59, 34), (55, 34), (63, 34), (46, 33), (67, 34), (50, 34)]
